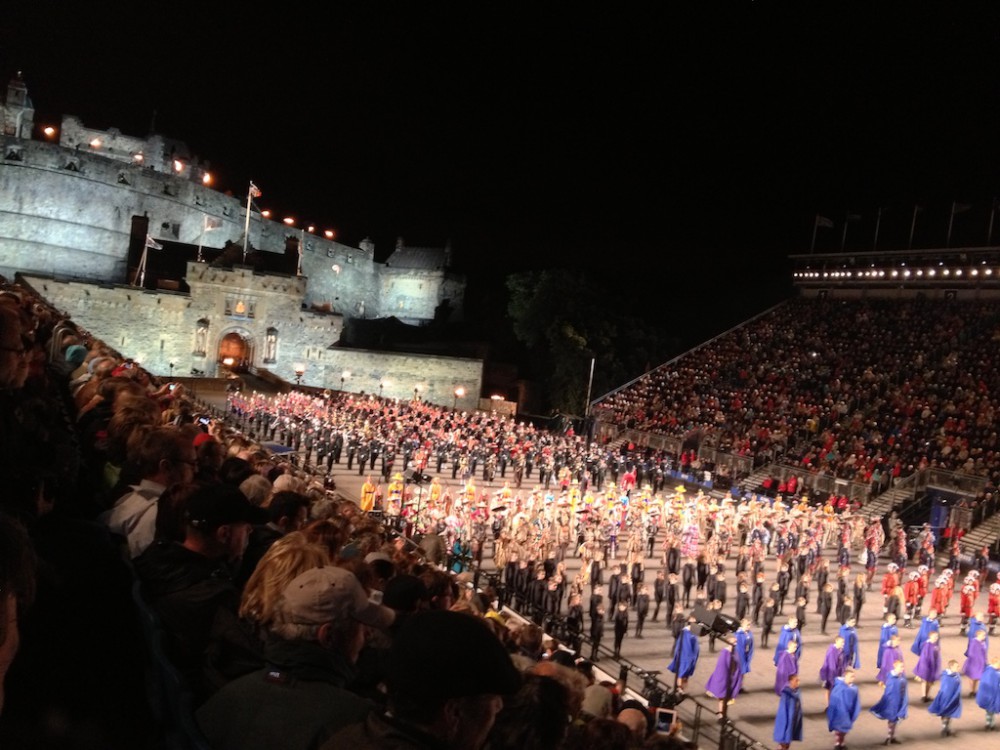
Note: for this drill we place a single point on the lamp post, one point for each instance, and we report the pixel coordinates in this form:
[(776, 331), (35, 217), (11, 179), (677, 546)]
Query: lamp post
[(300, 369), (416, 393), (344, 376), (171, 365), (459, 393)]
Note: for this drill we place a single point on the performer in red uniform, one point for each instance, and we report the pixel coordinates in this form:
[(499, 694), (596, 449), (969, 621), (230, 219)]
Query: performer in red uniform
[(967, 602), (889, 583), (993, 608), (912, 595)]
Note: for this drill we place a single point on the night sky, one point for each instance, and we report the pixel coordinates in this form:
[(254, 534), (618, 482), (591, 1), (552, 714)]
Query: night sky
[(685, 154)]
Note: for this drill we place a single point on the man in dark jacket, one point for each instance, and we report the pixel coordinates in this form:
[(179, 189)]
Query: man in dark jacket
[(300, 698), (431, 707), (190, 586)]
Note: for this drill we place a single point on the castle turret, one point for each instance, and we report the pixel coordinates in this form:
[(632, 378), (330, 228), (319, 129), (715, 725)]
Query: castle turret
[(17, 113)]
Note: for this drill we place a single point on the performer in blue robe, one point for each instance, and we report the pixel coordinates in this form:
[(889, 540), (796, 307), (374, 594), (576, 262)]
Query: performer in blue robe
[(892, 707), (928, 624), (744, 646), (975, 625), (849, 633), (844, 707), (789, 632), (988, 695), (888, 630), (948, 702), (975, 660), (928, 668), (833, 665), (787, 665), (685, 655), (788, 722)]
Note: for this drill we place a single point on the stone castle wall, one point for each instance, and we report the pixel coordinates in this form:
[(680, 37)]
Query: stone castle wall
[(68, 212), (163, 328)]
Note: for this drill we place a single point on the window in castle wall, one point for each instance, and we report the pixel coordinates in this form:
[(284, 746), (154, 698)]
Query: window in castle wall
[(201, 338), (72, 166), (271, 346), (122, 179), (15, 155)]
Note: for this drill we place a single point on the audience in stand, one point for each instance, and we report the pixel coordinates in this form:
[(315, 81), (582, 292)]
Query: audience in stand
[(291, 658)]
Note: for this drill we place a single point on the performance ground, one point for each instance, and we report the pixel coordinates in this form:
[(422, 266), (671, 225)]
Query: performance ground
[(753, 711)]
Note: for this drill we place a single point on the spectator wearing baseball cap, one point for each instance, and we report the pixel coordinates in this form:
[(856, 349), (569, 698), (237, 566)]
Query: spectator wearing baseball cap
[(189, 584), (447, 677), (300, 697)]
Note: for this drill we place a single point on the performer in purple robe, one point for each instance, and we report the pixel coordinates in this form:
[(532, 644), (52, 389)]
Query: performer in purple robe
[(893, 706), (844, 707), (726, 679), (833, 665), (928, 669), (975, 660), (948, 702), (787, 665), (892, 653), (889, 629)]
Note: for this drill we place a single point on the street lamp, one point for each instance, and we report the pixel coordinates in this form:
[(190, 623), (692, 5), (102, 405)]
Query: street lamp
[(300, 370), (416, 393), (459, 392), (382, 384), (344, 376), (171, 364)]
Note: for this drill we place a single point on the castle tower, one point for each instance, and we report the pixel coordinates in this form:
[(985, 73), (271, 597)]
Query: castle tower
[(17, 113)]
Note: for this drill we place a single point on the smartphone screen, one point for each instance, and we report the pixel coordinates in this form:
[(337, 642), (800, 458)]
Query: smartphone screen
[(664, 720)]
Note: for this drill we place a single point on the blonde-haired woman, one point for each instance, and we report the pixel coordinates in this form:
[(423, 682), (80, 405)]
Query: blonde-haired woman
[(286, 559)]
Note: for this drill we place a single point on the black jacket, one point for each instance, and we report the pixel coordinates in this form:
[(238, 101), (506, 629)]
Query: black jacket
[(197, 603)]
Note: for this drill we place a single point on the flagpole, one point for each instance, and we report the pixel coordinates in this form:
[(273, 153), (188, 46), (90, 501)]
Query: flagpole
[(812, 245), (201, 238), (878, 221), (951, 221), (140, 273), (989, 230), (913, 225), (843, 237), (246, 225)]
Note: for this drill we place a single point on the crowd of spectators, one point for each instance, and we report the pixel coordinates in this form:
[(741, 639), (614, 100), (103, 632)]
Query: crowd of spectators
[(858, 389), (294, 618), (291, 613)]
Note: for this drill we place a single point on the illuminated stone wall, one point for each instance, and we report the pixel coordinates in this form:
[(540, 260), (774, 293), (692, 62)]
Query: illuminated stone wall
[(160, 328)]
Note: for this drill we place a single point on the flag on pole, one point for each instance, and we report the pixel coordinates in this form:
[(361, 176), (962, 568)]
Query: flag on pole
[(150, 242), (212, 222), (822, 221), (255, 191)]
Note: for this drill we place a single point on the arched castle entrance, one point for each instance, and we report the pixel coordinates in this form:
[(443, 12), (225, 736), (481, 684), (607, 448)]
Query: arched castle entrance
[(236, 350)]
